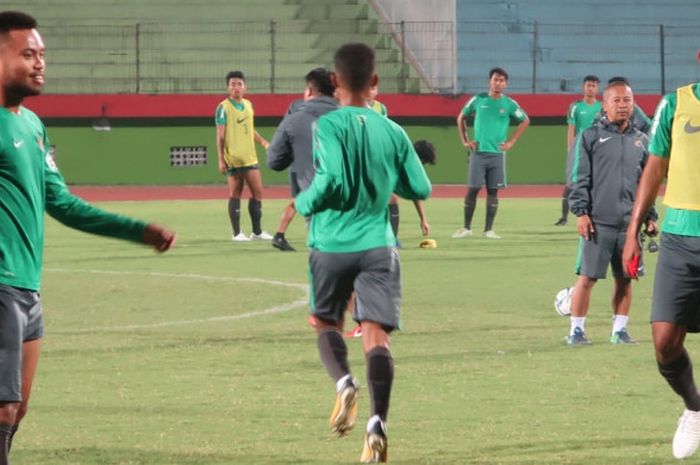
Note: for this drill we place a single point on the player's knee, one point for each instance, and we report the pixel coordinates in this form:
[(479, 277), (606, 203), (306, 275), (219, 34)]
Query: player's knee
[(22, 411), (667, 348), (9, 412)]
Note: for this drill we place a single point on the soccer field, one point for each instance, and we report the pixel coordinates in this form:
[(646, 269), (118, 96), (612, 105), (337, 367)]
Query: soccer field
[(203, 355)]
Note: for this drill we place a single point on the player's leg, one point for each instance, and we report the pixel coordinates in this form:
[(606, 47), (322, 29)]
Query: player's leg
[(254, 180), (30, 360), (394, 214), (378, 291), (622, 296), (495, 179), (331, 277), (235, 190), (675, 311), (563, 219), (580, 300), (476, 176), (279, 241)]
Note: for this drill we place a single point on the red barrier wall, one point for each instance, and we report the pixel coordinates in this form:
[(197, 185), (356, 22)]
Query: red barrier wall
[(275, 105)]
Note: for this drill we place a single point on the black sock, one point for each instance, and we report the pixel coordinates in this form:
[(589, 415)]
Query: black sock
[(491, 208), (255, 211), (279, 235), (565, 203), (470, 206), (380, 376), (234, 214), (394, 218), (334, 353), (679, 375), (12, 436), (5, 435)]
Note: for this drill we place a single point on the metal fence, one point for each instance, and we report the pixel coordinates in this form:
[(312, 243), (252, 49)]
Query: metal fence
[(444, 57)]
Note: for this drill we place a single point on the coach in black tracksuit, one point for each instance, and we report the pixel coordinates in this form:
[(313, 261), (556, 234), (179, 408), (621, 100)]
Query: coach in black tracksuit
[(608, 162), (291, 146)]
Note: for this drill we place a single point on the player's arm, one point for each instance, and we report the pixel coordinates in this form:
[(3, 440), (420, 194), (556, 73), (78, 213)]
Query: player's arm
[(570, 135), (580, 197), (520, 116), (571, 125), (653, 175), (78, 214), (261, 140), (420, 209), (279, 153), (327, 153), (412, 182), (462, 124), (220, 121)]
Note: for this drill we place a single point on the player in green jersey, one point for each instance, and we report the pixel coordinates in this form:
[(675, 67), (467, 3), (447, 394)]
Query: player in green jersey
[(30, 186), (493, 112), (582, 113), (675, 138), (361, 158)]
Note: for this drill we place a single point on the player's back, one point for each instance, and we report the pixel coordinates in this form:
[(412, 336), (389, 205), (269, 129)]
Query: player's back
[(366, 157)]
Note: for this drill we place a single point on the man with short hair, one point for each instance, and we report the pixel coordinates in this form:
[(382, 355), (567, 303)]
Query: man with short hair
[(608, 160), (493, 111), (291, 144), (361, 158), (639, 119), (581, 115), (31, 185), (235, 148), (675, 138)]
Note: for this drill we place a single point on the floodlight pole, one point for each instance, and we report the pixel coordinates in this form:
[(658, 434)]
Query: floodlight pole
[(137, 52), (535, 47), (273, 46)]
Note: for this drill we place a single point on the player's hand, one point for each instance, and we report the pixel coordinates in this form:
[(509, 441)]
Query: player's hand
[(650, 228), (158, 237), (425, 227), (265, 144), (222, 167), (585, 226), (471, 145), (507, 145), (631, 255)]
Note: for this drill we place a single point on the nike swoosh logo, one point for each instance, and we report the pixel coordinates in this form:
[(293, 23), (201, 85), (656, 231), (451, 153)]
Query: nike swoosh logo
[(690, 129), (603, 139), (239, 121), (17, 143)]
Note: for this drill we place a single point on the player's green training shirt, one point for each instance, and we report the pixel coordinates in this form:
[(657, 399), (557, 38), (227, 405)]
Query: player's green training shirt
[(31, 184), (582, 115), (361, 158), (676, 220), (491, 120)]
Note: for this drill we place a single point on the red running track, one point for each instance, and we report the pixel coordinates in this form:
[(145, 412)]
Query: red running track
[(207, 192)]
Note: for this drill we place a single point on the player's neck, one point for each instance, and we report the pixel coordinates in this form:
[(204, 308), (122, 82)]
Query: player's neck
[(589, 100), (236, 99), (11, 101), (495, 94), (350, 99)]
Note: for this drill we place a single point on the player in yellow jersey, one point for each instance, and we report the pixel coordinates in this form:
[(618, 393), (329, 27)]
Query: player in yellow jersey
[(674, 150), (235, 147)]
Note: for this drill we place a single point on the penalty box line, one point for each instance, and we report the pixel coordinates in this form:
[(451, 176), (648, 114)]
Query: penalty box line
[(286, 307)]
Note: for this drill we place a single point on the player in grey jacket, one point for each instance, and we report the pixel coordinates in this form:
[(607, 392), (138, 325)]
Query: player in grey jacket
[(291, 145), (608, 162)]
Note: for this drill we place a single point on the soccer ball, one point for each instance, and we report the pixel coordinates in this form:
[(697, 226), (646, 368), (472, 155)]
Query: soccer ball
[(562, 302)]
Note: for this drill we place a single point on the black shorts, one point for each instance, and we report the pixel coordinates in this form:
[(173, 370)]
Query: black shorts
[(374, 275), (233, 171), (603, 249), (676, 296), (20, 322), (489, 168)]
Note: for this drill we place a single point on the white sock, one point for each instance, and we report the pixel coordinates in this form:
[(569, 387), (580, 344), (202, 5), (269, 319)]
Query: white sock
[(577, 322), (341, 382), (619, 322), (372, 421)]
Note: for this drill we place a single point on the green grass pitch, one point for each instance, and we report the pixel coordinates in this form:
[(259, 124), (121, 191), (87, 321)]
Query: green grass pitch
[(203, 355)]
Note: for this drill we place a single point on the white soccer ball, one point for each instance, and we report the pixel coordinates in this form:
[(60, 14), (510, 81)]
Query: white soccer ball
[(562, 302)]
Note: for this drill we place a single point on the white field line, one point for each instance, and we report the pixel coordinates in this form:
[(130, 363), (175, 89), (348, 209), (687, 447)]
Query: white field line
[(267, 311)]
